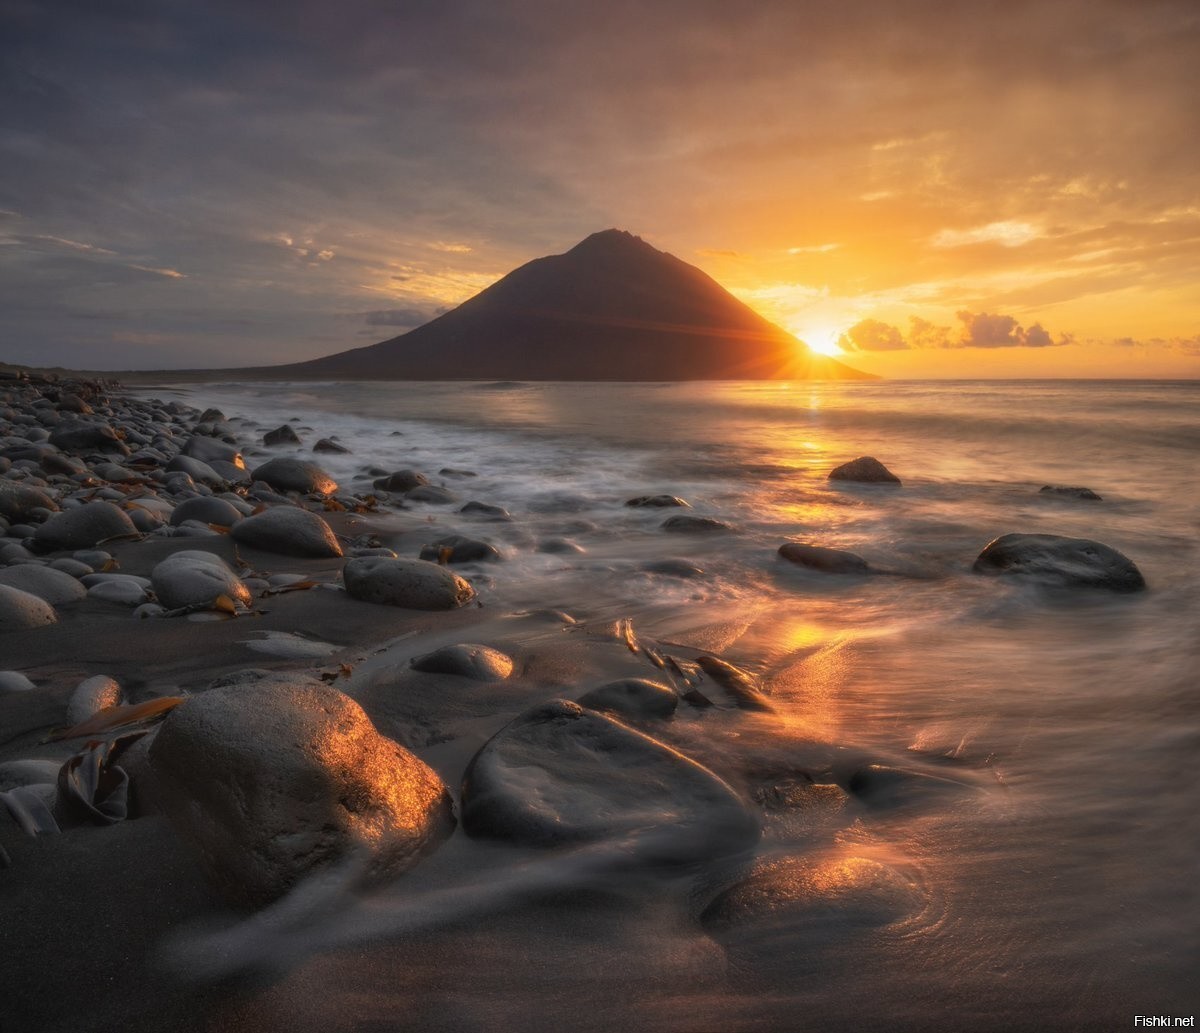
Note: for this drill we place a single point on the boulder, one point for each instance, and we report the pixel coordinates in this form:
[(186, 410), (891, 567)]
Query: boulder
[(466, 660), (18, 500), (457, 548), (271, 779), (92, 695), (1063, 492), (686, 523), (21, 611), (86, 436), (53, 586), (828, 561), (865, 470), (282, 435), (486, 510), (196, 578), (286, 473), (289, 531), (431, 493), (401, 480), (1059, 562), (209, 449), (412, 584), (326, 445), (208, 509), (83, 527), (656, 501), (561, 774), (197, 469), (632, 698)]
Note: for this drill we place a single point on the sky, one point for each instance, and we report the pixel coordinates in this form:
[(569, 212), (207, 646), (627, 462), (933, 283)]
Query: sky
[(933, 188)]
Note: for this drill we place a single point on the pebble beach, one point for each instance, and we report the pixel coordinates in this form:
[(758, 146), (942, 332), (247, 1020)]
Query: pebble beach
[(279, 752)]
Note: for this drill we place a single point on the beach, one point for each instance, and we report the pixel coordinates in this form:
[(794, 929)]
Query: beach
[(678, 780)]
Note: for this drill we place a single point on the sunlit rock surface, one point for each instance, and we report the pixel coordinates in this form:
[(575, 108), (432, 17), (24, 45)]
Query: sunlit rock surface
[(413, 584), (1059, 562), (272, 778), (865, 470), (288, 531)]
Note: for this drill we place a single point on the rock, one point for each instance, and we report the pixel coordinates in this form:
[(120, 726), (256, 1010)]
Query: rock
[(92, 695), (685, 523), (21, 611), (271, 779), (656, 501), (83, 436), (208, 509), (412, 584), (673, 567), (401, 480), (289, 531), (829, 561), (285, 473), (467, 661), (15, 681), (1058, 562), (486, 510), (283, 435), (195, 578), (560, 547), (561, 774), (198, 470), (209, 449), (431, 493), (884, 786), (326, 445), (17, 500), (456, 548), (632, 697), (53, 586), (1069, 493), (123, 592), (83, 527), (865, 470)]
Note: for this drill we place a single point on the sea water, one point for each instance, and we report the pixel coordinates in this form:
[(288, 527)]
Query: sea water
[(1064, 894)]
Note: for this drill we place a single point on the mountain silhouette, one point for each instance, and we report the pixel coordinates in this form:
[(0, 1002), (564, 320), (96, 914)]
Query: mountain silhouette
[(611, 308)]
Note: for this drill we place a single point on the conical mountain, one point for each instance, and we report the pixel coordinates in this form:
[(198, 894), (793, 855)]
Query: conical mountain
[(611, 308)]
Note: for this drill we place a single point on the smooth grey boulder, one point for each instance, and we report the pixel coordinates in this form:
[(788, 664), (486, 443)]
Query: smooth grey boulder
[(196, 578), (864, 470), (412, 584), (289, 531), (560, 547), (15, 681), (1058, 562), (208, 449), (401, 480), (561, 774), (486, 510), (90, 696), (326, 445), (270, 779), (467, 661), (53, 586), (431, 493), (18, 500), (282, 435), (84, 527), (457, 548), (285, 473), (632, 697), (828, 561), (123, 593), (686, 523), (87, 436), (21, 611), (656, 501), (197, 469), (1063, 492), (208, 509)]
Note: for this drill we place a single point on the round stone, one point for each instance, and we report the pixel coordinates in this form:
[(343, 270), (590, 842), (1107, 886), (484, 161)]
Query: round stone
[(828, 561), (286, 473), (467, 661), (289, 531), (1053, 561), (865, 470), (193, 578), (83, 527), (413, 584), (21, 611), (633, 698), (53, 586)]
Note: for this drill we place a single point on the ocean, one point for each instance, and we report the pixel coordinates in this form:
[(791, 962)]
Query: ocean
[(1059, 887)]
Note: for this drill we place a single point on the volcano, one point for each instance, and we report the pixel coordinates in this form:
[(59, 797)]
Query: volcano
[(611, 308)]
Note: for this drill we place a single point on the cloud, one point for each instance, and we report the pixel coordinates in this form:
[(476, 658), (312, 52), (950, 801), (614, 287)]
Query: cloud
[(404, 317), (812, 249), (872, 335), (1007, 234), (983, 330)]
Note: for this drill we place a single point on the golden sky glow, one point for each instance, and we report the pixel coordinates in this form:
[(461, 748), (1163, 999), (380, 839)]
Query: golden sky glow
[(941, 188)]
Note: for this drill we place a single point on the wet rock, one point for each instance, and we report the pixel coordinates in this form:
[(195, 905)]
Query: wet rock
[(431, 493), (209, 449), (741, 685), (90, 696), (271, 779), (18, 500), (686, 523), (562, 774), (121, 590), (327, 445), (632, 698), (560, 547), (1062, 492), (21, 611), (486, 510), (656, 501), (288, 474), (828, 561), (208, 509), (864, 470), (467, 661), (456, 548), (412, 584), (673, 567), (450, 471), (283, 435), (884, 786), (289, 531), (82, 436), (84, 526), (401, 480), (15, 681), (53, 586), (1054, 561), (196, 578)]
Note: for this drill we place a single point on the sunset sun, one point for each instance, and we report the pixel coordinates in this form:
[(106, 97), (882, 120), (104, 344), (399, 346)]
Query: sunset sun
[(822, 339)]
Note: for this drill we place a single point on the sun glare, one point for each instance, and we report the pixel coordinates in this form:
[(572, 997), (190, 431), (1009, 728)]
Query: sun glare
[(821, 339)]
